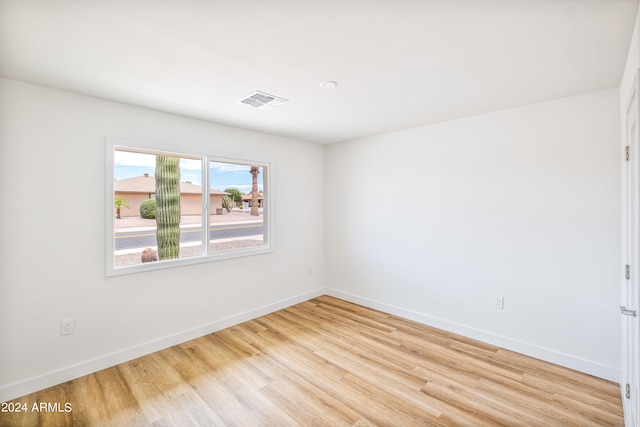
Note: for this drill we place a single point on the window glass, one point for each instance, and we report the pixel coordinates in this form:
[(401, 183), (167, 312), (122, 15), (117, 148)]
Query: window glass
[(238, 222), (158, 207)]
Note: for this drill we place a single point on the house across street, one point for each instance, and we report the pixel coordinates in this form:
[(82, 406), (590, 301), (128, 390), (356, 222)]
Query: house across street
[(140, 188)]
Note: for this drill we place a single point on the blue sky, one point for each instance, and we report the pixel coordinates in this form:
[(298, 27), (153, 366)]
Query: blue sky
[(223, 175)]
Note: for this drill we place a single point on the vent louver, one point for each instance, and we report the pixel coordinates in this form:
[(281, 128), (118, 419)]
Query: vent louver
[(263, 100)]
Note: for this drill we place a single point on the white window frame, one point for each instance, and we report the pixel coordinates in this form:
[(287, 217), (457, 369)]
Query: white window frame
[(113, 143)]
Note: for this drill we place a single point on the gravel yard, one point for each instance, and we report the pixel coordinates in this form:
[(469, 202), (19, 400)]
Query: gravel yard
[(190, 251)]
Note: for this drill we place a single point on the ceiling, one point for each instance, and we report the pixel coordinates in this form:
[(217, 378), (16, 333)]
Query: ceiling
[(398, 64)]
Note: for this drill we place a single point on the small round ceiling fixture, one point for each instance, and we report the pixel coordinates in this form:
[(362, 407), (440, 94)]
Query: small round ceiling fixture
[(328, 84)]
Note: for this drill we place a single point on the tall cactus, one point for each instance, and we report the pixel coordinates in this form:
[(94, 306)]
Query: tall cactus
[(168, 206), (227, 203)]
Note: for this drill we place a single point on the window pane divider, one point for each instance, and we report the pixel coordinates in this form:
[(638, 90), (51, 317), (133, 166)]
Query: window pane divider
[(206, 208)]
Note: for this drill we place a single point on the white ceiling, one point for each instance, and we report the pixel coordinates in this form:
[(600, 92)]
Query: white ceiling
[(398, 63)]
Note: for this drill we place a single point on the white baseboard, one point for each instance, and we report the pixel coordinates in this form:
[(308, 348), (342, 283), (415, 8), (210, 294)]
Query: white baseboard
[(568, 361), (68, 373)]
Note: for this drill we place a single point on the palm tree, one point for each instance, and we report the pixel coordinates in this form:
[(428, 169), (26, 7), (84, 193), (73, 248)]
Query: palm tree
[(255, 170), (120, 203)]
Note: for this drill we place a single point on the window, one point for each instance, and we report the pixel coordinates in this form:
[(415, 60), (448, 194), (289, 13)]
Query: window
[(168, 209)]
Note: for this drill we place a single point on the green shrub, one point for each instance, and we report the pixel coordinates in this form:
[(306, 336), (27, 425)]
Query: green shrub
[(148, 209)]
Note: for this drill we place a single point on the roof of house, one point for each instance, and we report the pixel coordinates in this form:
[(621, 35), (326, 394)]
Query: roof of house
[(147, 184), (248, 196)]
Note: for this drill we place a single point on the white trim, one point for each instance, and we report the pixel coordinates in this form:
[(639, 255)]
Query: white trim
[(629, 243), (110, 200), (69, 373), (206, 209), (602, 371)]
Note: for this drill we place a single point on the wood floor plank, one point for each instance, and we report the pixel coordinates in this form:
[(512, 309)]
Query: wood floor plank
[(328, 362)]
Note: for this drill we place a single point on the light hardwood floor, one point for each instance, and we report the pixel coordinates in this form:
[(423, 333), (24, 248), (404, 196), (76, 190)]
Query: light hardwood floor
[(328, 362)]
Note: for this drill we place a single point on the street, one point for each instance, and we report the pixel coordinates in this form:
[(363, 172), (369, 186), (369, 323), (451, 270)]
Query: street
[(147, 238)]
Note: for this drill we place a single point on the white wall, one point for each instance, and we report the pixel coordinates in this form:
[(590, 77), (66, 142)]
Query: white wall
[(52, 144), (432, 222), (632, 65)]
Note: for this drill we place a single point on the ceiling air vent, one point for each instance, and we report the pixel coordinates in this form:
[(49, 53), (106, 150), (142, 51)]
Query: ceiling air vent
[(263, 100)]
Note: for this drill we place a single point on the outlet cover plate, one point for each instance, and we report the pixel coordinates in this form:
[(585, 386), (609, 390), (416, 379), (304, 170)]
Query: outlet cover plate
[(67, 327), (498, 302)]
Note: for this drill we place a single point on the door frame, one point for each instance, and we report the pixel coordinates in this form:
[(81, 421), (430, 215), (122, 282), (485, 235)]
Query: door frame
[(630, 328)]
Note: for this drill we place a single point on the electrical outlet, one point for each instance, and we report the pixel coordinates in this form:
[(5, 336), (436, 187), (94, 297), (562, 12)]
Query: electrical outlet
[(68, 326), (498, 302)]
